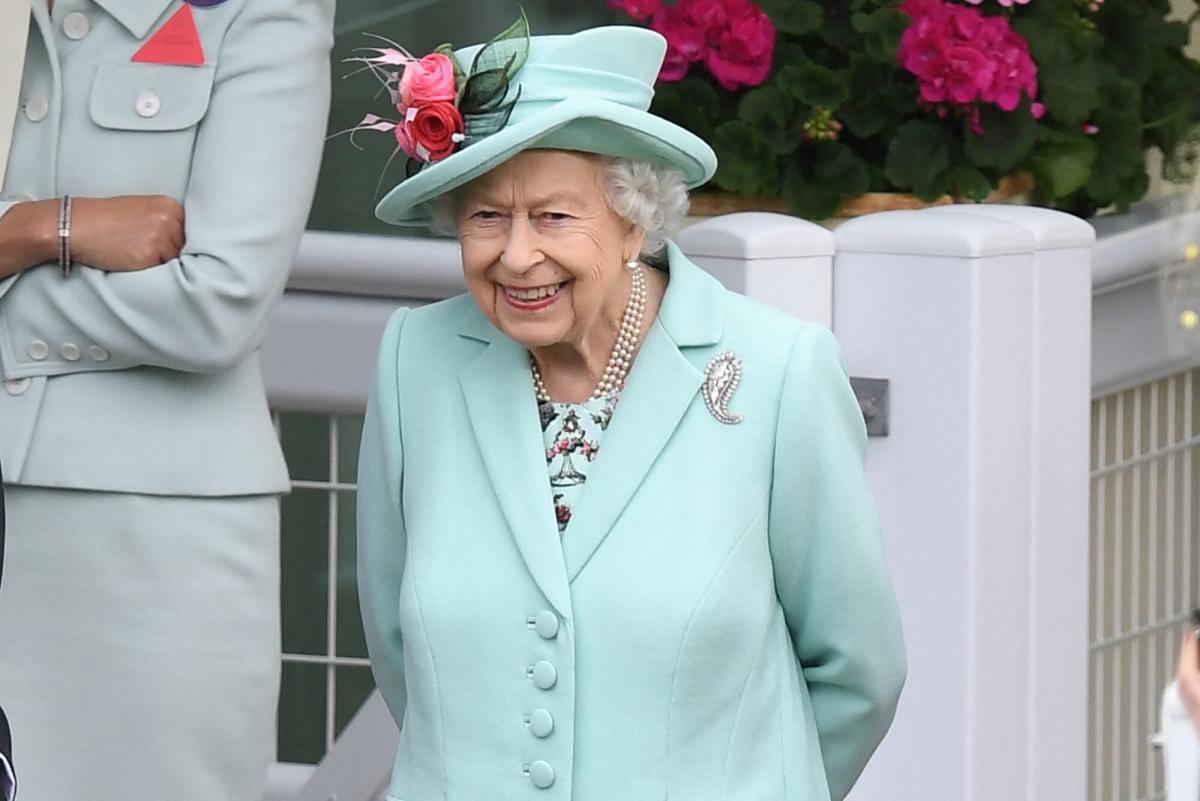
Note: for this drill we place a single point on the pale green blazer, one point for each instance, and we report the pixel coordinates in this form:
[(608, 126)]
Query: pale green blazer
[(149, 381), (717, 622)]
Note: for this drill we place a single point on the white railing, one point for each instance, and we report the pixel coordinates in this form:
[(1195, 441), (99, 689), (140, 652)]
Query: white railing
[(979, 318)]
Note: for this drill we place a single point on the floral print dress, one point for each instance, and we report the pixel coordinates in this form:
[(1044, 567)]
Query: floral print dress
[(572, 433)]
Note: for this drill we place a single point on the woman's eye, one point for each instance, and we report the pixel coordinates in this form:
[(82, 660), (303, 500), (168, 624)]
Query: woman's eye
[(485, 215), (555, 216)]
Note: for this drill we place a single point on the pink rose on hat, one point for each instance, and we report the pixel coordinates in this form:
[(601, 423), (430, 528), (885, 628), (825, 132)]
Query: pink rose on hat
[(428, 80)]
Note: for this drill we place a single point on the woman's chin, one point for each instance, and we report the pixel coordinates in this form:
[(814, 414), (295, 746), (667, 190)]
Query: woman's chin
[(532, 333)]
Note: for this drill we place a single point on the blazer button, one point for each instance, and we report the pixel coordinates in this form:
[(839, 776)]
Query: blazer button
[(70, 352), (76, 26), (544, 675), (148, 104), (98, 354), (546, 624), (541, 774), (17, 386), (38, 350), (541, 723), (36, 108)]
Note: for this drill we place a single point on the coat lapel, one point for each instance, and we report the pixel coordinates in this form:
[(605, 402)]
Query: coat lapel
[(660, 388), (504, 417), (662, 385)]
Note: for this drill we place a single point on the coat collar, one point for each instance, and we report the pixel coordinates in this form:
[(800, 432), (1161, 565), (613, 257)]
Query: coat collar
[(137, 16), (661, 387)]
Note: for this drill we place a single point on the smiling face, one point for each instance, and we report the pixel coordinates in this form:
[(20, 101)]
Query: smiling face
[(543, 253)]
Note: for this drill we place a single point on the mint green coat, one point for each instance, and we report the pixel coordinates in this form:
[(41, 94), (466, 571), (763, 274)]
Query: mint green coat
[(717, 622), (149, 381)]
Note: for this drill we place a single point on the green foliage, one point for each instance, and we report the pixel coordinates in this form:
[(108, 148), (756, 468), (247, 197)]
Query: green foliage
[(1113, 83)]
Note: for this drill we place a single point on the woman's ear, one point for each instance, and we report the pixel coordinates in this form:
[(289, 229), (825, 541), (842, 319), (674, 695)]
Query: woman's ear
[(635, 239)]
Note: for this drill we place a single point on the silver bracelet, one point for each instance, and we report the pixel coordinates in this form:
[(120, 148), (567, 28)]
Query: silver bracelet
[(64, 236)]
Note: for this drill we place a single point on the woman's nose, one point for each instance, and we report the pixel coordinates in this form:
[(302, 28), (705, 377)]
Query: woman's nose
[(521, 251)]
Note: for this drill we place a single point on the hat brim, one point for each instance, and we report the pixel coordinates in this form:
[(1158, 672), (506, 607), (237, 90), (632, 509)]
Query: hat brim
[(587, 125)]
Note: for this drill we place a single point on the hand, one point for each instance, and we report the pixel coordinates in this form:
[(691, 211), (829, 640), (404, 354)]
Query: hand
[(125, 234), (1187, 676)]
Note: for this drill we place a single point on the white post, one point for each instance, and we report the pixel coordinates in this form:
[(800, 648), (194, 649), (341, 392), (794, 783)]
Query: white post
[(1059, 548), (782, 261), (950, 306)]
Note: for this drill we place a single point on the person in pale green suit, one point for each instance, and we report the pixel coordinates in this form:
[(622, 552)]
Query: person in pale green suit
[(615, 537), (139, 625)]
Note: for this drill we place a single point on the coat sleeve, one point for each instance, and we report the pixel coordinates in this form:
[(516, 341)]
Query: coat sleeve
[(382, 544), (254, 170), (830, 573)]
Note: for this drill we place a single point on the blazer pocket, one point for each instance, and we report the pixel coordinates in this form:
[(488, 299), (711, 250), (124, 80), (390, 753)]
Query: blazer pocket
[(150, 97)]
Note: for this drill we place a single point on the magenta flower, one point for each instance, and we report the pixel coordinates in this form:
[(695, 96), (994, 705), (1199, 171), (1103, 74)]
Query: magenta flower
[(735, 39), (962, 57)]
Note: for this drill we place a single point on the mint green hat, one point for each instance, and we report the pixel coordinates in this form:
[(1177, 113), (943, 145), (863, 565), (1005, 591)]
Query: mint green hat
[(588, 92)]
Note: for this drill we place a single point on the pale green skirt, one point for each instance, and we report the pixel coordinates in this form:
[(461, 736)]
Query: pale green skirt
[(139, 645)]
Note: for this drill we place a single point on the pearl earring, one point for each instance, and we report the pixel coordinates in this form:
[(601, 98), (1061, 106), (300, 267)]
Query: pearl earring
[(632, 264)]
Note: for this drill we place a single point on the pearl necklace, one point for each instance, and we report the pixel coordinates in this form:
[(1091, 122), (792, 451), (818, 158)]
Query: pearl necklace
[(622, 355)]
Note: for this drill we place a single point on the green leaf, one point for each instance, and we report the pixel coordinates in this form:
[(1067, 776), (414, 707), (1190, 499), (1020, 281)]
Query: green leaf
[(1071, 91), (875, 102), (882, 31), (840, 168), (483, 91), (1045, 42), (1063, 165), (970, 183), (692, 103), (508, 50), (1007, 138), (919, 159), (773, 114), (816, 191), (747, 163), (815, 85), (795, 17)]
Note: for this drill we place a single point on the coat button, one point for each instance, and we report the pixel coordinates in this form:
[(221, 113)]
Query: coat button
[(544, 675), (38, 350), (76, 26), (546, 625), (70, 351), (541, 723), (17, 386), (541, 774), (98, 354), (148, 104), (36, 108)]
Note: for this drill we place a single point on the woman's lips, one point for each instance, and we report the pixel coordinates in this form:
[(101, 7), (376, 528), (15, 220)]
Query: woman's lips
[(530, 299)]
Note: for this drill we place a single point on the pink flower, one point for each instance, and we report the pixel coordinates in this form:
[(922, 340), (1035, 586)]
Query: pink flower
[(745, 52), (962, 57), (734, 38), (428, 80), (685, 43), (430, 132), (1090, 129), (640, 10)]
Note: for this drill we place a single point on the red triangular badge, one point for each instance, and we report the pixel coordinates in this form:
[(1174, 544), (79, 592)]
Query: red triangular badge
[(177, 42)]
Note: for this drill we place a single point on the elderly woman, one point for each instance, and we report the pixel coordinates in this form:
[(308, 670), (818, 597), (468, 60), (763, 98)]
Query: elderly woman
[(616, 541)]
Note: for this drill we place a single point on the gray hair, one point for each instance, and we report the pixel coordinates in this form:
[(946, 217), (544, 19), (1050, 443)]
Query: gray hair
[(653, 198)]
